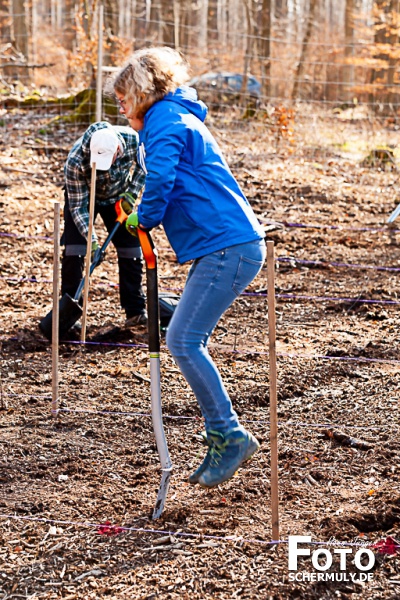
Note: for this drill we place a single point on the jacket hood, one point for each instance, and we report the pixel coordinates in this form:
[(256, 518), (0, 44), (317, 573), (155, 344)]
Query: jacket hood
[(187, 97)]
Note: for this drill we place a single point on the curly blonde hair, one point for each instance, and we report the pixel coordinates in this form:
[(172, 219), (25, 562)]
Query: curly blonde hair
[(149, 75)]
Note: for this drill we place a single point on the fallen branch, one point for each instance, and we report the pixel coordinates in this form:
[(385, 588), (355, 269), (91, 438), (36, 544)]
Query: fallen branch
[(26, 65), (47, 148), (140, 377), (346, 440), (20, 171)]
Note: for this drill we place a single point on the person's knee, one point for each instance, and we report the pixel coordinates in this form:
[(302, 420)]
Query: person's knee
[(176, 341), (182, 341), (170, 340)]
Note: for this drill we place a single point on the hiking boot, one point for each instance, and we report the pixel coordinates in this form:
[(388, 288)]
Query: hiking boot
[(194, 477), (140, 319), (225, 456)]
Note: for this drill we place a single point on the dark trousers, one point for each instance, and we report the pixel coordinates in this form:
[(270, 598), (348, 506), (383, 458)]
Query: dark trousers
[(129, 259)]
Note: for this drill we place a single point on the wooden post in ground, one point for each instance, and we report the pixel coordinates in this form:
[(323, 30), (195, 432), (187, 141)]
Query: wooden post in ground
[(273, 390), (88, 251), (99, 75), (55, 318)]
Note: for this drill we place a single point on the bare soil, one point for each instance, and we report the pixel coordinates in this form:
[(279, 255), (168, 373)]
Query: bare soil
[(77, 492)]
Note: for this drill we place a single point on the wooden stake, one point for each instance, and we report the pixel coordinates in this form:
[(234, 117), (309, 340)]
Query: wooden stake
[(55, 318), (88, 251), (99, 81), (273, 390)]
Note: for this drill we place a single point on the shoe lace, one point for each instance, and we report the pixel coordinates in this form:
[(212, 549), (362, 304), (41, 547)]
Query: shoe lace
[(217, 452)]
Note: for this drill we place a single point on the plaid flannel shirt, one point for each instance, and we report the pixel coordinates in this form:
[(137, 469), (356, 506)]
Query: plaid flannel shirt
[(125, 175)]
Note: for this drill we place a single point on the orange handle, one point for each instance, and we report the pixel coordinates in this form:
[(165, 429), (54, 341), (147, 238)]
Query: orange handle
[(146, 243), (121, 214)]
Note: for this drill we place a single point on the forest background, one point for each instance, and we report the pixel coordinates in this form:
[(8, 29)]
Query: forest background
[(326, 51)]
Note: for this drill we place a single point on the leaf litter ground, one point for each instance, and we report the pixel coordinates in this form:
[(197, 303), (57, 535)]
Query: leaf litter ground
[(90, 478)]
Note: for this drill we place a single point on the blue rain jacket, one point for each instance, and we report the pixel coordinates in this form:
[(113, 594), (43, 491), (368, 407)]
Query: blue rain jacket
[(189, 187)]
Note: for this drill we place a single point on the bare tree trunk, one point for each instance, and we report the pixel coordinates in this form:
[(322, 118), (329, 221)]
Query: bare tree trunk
[(203, 20), (297, 12), (301, 64), (265, 47), (85, 17), (69, 35), (250, 8), (56, 13), (177, 11), (126, 18), (248, 49), (386, 38), (281, 7), (111, 18), (34, 30), (88, 23), (393, 53), (138, 21), (235, 22), (348, 75), (111, 26), (131, 20), (164, 15), (212, 24), (5, 21), (19, 40), (59, 13), (6, 37), (188, 20), (20, 28), (222, 24)]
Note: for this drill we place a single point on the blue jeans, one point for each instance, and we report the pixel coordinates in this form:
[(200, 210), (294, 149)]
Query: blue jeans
[(213, 283)]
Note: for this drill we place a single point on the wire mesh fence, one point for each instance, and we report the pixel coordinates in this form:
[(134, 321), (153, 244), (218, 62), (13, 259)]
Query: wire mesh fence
[(318, 80)]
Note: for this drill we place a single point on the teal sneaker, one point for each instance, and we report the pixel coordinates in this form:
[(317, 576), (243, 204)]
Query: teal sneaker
[(225, 455), (208, 441)]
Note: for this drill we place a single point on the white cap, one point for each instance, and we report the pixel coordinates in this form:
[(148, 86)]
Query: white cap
[(103, 146)]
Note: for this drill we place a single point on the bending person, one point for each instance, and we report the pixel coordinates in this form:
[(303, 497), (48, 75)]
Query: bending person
[(114, 150)]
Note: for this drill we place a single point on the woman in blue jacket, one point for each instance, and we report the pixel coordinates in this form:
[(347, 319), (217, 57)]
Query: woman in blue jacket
[(190, 189)]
